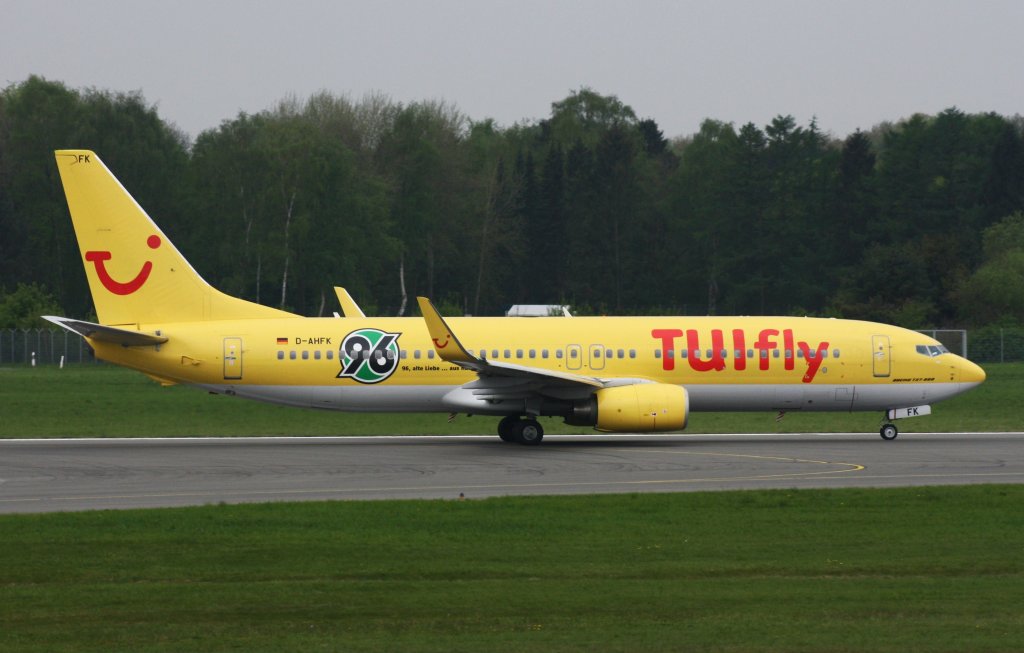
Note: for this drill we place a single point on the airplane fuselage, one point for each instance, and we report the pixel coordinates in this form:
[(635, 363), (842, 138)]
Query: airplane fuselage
[(725, 363)]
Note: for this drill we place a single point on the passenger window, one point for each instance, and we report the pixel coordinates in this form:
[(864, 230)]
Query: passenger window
[(799, 353), (330, 354), (316, 355), (608, 353), (738, 353), (519, 353), (533, 353), (597, 353), (725, 353), (670, 353), (764, 353), (657, 353), (750, 353), (572, 353), (622, 354), (416, 354), (558, 353), (508, 353), (404, 353), (430, 354), (835, 353), (543, 353), (775, 353), (709, 353), (632, 353), (789, 354), (291, 355), (280, 354)]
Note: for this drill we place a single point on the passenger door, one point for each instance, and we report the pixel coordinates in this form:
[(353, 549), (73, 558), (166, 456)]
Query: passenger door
[(881, 364)]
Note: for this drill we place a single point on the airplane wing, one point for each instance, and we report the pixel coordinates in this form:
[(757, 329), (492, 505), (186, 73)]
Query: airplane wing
[(499, 380), (123, 337)]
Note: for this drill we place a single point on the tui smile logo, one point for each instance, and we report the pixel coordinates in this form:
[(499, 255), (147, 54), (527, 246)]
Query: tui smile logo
[(369, 355), (99, 259)]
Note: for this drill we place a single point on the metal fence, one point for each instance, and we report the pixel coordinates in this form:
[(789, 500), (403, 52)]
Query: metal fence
[(43, 347), (997, 345), (57, 346)]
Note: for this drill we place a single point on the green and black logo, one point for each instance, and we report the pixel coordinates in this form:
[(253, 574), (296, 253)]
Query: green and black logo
[(369, 355)]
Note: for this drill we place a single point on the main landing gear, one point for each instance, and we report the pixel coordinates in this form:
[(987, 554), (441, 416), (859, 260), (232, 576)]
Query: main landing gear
[(888, 431), (523, 431)]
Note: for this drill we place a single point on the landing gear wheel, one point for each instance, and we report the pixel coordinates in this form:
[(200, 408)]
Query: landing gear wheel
[(529, 432), (507, 428), (888, 432)]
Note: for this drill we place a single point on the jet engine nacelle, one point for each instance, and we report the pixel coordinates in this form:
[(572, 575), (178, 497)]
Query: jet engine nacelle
[(642, 407)]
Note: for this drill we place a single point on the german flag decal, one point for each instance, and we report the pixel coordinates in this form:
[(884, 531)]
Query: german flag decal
[(282, 341)]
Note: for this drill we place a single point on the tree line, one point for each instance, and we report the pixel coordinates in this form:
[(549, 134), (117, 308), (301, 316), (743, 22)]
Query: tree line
[(919, 222)]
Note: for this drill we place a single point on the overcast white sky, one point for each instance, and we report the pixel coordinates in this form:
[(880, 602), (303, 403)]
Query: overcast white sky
[(850, 64)]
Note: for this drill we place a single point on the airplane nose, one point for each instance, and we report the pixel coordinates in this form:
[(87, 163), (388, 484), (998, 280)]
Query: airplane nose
[(971, 373)]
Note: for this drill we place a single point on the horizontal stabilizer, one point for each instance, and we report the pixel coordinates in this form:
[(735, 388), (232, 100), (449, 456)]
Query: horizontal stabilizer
[(123, 337)]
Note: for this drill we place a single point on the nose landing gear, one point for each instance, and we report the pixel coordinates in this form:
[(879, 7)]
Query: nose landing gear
[(888, 431)]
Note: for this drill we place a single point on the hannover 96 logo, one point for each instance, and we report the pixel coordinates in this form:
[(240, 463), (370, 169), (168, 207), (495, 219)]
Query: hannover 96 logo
[(369, 355)]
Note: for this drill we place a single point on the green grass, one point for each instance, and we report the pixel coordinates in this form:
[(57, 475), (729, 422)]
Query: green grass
[(920, 569), (106, 401)]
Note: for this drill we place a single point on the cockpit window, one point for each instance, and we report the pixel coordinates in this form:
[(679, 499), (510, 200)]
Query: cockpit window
[(931, 351)]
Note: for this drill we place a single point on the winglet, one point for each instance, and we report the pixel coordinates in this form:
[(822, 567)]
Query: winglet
[(349, 307), (446, 343)]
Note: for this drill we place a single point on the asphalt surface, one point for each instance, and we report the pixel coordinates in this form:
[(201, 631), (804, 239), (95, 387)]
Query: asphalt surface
[(90, 474)]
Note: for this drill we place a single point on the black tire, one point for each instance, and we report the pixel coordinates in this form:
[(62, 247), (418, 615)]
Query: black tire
[(529, 432), (888, 432), (507, 428)]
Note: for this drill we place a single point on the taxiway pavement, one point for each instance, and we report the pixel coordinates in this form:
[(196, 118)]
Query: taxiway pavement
[(90, 474)]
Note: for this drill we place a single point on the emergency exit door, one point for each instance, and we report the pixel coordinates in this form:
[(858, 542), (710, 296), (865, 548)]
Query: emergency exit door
[(232, 359)]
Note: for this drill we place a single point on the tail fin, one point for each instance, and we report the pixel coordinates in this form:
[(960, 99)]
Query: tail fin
[(135, 273)]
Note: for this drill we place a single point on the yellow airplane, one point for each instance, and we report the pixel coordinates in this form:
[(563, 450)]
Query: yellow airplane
[(617, 374)]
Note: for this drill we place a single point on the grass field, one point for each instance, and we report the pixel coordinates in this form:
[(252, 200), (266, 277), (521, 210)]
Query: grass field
[(922, 569), (105, 401), (917, 569)]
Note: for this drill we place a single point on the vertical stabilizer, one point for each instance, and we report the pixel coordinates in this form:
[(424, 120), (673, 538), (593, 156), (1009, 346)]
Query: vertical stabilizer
[(136, 275)]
